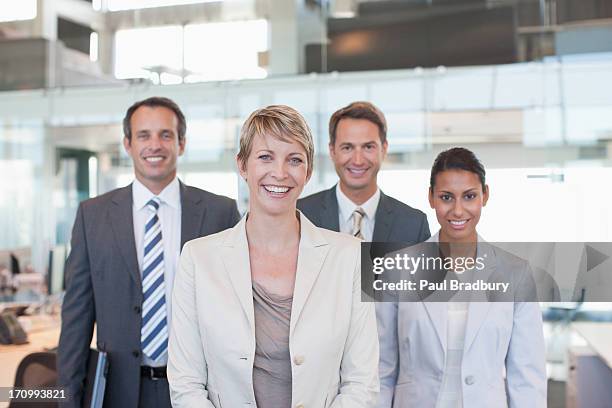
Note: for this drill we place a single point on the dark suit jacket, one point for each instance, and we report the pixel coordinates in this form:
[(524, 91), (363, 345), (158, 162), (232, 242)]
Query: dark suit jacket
[(103, 286), (395, 221)]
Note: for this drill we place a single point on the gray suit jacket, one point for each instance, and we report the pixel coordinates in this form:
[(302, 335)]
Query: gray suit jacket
[(396, 222), (503, 333), (103, 286)]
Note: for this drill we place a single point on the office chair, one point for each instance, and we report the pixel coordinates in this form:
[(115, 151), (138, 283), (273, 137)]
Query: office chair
[(36, 370), (15, 268)]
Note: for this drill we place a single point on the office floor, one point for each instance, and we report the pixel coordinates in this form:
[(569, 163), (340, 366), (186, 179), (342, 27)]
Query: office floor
[(556, 394), (43, 333)]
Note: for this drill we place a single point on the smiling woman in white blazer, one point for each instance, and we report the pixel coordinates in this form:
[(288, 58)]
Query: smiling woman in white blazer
[(466, 354), (322, 350)]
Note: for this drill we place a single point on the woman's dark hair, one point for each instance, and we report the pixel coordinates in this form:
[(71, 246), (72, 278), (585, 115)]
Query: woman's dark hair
[(457, 158)]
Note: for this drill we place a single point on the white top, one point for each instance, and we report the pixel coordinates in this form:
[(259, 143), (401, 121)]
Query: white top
[(169, 214), (346, 208), (450, 395)]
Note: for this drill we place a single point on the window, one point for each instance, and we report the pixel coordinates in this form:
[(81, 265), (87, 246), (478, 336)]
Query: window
[(225, 51), (93, 46), (115, 5), (192, 53), (18, 10), (146, 52)]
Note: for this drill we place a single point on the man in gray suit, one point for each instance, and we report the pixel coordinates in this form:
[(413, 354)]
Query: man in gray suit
[(125, 249), (357, 146)]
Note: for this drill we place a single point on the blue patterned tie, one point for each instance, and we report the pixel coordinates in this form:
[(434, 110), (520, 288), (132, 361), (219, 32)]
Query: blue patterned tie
[(154, 331)]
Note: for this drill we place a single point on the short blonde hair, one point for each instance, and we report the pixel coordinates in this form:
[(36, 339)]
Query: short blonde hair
[(281, 122)]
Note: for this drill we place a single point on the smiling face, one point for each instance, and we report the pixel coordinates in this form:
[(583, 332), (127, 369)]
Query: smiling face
[(154, 146), (357, 155), (276, 172), (458, 198)]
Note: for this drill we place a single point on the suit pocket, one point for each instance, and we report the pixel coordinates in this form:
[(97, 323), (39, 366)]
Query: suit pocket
[(332, 393), (404, 395), (97, 273), (404, 380), (214, 398)]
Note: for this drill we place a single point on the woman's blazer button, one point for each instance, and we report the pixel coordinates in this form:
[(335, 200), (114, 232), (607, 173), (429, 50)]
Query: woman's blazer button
[(469, 380), (298, 360)]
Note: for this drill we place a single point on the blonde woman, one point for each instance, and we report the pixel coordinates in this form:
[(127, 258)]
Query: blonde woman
[(268, 313)]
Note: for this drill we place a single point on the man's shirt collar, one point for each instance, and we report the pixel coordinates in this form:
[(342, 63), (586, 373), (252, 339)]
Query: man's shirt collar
[(170, 195), (346, 207)]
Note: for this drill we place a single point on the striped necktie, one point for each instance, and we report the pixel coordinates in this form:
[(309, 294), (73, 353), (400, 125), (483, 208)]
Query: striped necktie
[(154, 329), (358, 215)]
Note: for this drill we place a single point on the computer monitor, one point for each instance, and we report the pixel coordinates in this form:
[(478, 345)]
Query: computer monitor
[(15, 268), (57, 262)]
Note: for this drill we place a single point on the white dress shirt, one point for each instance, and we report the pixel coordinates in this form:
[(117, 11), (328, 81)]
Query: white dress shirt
[(346, 208), (169, 214), (450, 395)]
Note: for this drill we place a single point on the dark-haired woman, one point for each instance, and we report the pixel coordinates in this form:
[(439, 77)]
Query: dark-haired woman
[(462, 353)]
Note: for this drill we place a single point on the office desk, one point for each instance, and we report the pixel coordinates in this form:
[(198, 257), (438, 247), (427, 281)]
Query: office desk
[(43, 334), (589, 380), (599, 337)]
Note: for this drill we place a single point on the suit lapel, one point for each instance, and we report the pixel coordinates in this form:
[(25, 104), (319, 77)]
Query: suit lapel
[(438, 315), (192, 215), (312, 252), (311, 255), (329, 213), (436, 311), (122, 224), (384, 216), (238, 267), (477, 313), (479, 308)]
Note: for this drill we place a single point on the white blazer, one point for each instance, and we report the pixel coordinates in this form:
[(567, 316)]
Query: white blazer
[(500, 337), (333, 340)]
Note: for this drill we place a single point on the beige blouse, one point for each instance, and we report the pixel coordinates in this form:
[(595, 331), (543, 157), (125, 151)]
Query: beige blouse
[(272, 365)]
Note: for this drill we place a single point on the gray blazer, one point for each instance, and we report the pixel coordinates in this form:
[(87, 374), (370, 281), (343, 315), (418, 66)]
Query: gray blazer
[(103, 286), (395, 221), (504, 357)]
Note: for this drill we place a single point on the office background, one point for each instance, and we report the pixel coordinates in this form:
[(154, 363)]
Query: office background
[(525, 84)]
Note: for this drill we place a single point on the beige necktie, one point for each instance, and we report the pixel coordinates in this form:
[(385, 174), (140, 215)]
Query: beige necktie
[(358, 215)]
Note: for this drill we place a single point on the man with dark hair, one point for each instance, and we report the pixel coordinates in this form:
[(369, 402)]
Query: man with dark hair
[(357, 146), (125, 249), (156, 102)]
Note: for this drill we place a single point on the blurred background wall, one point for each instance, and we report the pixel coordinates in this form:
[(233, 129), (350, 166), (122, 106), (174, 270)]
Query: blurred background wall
[(526, 84)]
